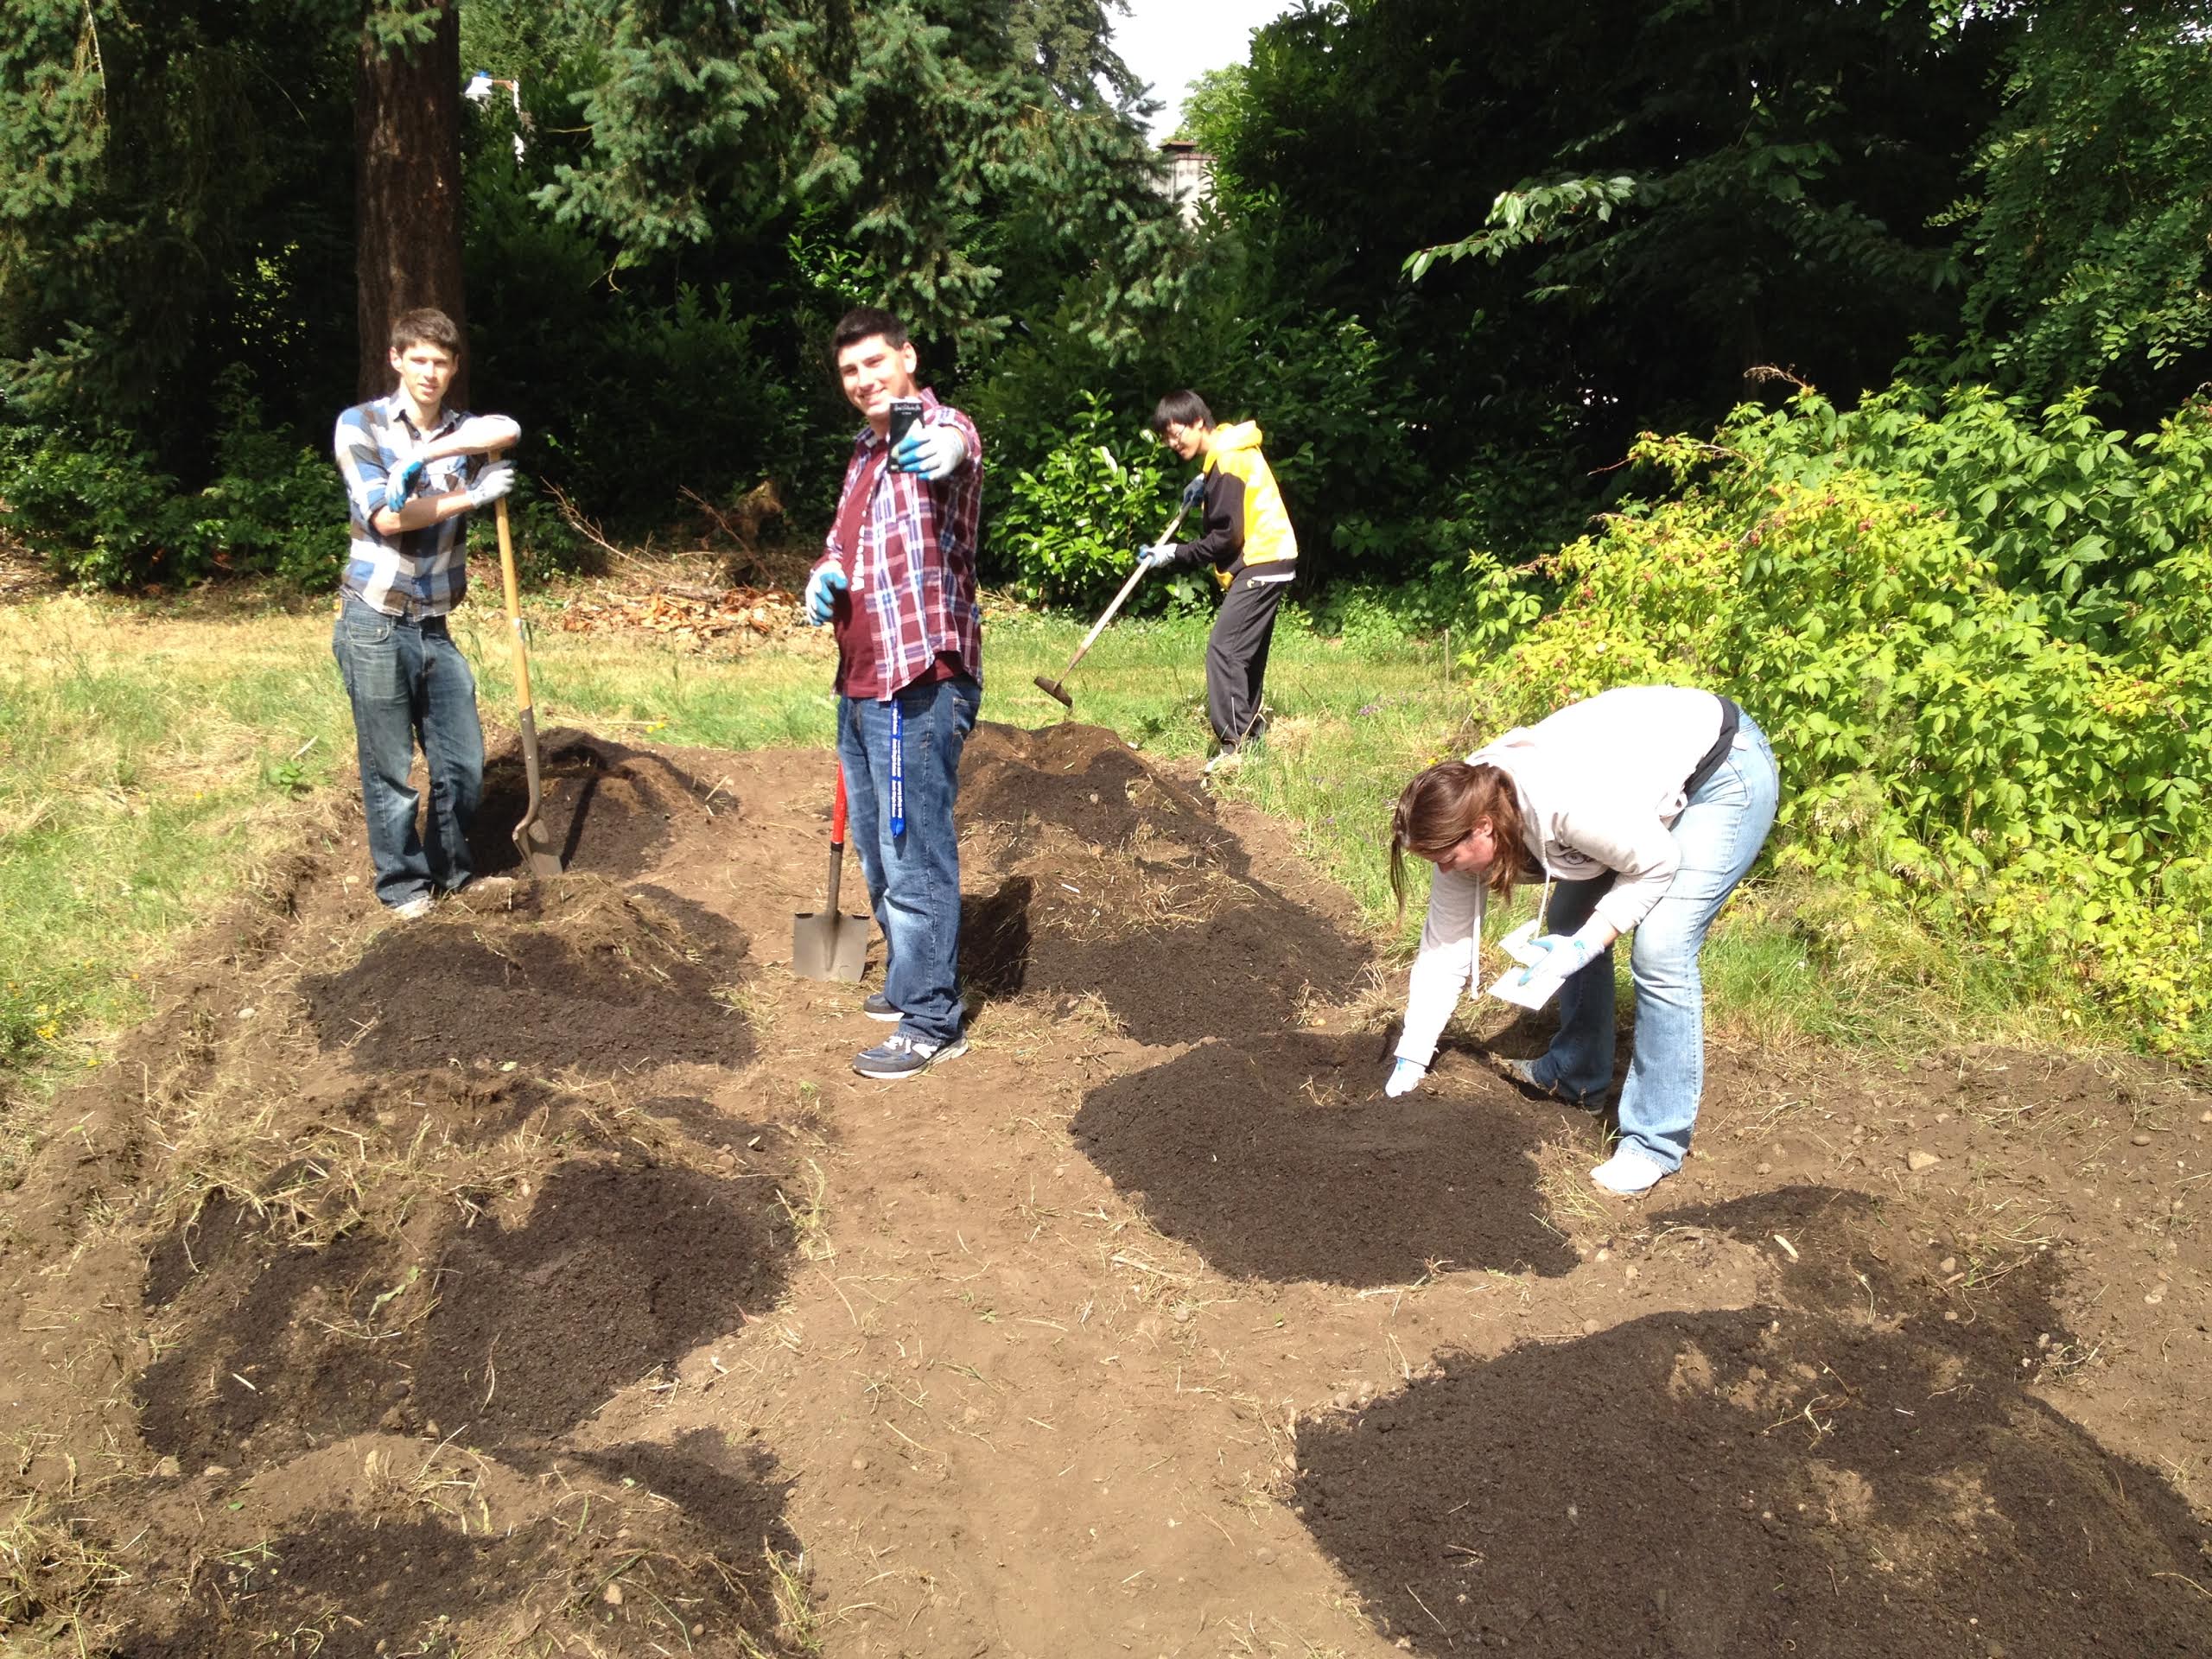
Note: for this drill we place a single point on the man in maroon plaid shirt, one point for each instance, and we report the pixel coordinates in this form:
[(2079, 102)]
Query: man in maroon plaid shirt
[(897, 577)]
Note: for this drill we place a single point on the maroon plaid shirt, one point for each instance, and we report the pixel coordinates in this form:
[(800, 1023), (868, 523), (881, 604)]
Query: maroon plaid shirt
[(913, 568)]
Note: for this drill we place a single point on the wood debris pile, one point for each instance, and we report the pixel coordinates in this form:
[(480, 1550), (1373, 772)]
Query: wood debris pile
[(685, 616)]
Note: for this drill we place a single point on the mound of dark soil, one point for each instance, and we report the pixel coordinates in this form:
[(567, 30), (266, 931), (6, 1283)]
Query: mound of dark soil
[(281, 1349), (576, 976), (1279, 1157), (620, 1268), (345, 1587), (354, 1586), (609, 809), (1119, 881), (1744, 1483), (1087, 780), (733, 1496)]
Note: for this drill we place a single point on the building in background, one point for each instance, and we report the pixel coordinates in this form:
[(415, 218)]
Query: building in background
[(1189, 181)]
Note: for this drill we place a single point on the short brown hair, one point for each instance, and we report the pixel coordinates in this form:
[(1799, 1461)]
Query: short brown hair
[(425, 325), (865, 323), (1441, 807)]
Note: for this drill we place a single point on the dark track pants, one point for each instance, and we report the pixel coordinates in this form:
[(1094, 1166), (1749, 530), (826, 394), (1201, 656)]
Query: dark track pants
[(1237, 651)]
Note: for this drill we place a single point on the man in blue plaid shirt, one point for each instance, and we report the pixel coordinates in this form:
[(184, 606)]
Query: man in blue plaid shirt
[(414, 472)]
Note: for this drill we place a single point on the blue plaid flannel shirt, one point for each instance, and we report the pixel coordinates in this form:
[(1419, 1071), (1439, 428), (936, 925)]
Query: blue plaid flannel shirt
[(418, 572)]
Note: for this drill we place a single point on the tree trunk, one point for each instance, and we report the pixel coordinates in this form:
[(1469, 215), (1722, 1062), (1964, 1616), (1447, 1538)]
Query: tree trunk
[(407, 209)]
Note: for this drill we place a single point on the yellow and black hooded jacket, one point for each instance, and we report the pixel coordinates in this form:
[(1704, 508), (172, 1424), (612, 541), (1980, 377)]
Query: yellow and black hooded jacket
[(1245, 524)]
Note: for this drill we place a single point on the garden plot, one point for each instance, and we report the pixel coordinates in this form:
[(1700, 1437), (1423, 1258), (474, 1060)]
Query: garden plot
[(538, 1279)]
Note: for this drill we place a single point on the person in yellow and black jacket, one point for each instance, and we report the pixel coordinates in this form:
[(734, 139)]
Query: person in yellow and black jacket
[(1247, 540)]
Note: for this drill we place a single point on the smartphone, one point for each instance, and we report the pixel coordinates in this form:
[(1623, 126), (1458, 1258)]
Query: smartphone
[(905, 415)]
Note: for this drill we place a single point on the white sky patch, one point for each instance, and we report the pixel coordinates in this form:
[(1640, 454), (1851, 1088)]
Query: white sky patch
[(1170, 44)]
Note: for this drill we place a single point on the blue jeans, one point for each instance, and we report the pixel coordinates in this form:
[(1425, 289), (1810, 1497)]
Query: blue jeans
[(1719, 835), (913, 879), (407, 682)]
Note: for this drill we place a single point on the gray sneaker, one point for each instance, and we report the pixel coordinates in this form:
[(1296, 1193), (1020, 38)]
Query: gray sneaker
[(899, 1056), (878, 1006)]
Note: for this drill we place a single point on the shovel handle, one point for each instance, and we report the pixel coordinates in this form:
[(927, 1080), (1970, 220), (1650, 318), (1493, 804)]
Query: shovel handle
[(514, 599), (838, 815)]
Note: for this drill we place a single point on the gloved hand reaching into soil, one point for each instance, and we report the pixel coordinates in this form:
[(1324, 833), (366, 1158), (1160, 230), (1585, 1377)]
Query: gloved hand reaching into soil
[(1403, 1076)]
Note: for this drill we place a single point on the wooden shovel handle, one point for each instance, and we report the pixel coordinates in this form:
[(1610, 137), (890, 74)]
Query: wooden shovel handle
[(514, 599)]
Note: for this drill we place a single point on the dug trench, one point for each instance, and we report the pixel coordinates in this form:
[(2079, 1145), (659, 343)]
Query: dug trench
[(539, 1279)]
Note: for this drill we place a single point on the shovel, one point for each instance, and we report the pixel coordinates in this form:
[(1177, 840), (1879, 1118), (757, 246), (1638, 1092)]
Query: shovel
[(531, 837), (825, 945), (1054, 689)]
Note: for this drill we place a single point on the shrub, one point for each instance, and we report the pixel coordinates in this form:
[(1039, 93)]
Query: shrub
[(98, 510), (1945, 747), (1071, 523)]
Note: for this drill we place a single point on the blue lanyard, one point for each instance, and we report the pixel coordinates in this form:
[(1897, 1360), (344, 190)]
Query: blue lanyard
[(897, 770)]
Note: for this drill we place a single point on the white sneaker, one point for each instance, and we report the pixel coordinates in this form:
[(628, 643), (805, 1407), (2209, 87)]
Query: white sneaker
[(414, 909), (1630, 1172)]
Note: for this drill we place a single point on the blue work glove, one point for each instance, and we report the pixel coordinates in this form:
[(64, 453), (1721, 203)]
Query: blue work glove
[(1403, 1076), (822, 589), (1565, 954), (930, 452), (402, 484), (1195, 490), (1155, 558), (494, 481)]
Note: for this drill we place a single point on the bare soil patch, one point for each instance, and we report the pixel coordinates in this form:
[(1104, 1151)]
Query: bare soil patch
[(621, 1282)]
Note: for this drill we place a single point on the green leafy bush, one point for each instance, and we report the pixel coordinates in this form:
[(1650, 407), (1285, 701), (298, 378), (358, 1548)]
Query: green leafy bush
[(98, 510), (1946, 750), (1071, 522)]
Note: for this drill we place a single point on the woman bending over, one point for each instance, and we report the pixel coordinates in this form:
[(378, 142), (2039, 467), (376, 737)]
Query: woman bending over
[(1639, 810)]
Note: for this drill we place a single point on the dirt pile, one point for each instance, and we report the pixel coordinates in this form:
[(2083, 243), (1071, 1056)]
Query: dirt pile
[(618, 1270), (575, 974), (1116, 880), (1758, 1481), (610, 809), (1278, 1158), (641, 1550)]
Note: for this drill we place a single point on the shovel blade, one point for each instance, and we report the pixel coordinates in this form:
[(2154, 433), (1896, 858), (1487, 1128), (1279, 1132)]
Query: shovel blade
[(536, 849), (825, 945), (1053, 689)]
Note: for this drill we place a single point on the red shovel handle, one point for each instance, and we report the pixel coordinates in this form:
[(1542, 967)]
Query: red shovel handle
[(837, 812)]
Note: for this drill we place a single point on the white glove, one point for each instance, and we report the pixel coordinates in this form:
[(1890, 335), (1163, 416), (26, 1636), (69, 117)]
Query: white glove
[(1565, 955), (1156, 558), (1403, 1076), (493, 482), (930, 452)]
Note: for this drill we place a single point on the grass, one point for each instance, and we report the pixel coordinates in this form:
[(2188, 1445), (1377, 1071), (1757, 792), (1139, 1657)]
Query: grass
[(153, 758)]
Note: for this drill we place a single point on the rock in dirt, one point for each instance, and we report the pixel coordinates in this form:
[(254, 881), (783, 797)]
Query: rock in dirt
[(1918, 1161)]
